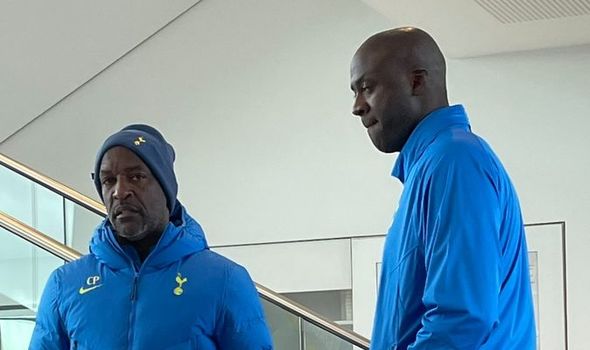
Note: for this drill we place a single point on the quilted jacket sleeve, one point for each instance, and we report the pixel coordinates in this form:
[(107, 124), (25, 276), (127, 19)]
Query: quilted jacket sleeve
[(242, 324), (49, 333)]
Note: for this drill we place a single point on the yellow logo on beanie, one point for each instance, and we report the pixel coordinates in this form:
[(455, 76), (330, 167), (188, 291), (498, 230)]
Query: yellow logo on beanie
[(138, 141)]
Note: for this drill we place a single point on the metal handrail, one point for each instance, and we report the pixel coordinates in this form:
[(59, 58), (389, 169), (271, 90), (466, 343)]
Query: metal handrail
[(37, 238), (53, 185), (40, 240), (68, 254)]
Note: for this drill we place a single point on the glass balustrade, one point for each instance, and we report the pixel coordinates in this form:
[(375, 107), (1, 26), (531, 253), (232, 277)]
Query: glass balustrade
[(24, 269), (46, 211)]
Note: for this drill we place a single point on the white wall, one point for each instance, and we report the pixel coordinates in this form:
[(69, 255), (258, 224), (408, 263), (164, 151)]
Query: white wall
[(50, 48), (297, 266), (257, 104)]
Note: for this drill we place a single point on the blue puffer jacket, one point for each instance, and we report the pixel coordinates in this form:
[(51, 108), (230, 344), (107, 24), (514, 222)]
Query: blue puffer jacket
[(183, 296)]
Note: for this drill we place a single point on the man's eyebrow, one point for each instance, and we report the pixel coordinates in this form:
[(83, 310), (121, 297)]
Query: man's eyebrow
[(365, 78), (128, 169), (134, 168), (356, 82)]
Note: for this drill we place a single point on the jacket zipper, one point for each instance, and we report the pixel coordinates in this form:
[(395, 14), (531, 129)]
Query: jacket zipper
[(134, 288), (133, 298)]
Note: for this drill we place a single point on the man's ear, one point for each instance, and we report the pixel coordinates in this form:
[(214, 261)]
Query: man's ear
[(419, 77)]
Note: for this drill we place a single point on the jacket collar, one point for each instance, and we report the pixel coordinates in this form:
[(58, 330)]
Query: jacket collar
[(423, 135), (180, 239)]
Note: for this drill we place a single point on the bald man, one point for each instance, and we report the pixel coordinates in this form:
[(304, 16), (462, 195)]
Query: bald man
[(455, 271)]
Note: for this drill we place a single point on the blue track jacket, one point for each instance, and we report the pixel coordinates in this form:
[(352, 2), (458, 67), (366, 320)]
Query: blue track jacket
[(182, 297), (455, 269)]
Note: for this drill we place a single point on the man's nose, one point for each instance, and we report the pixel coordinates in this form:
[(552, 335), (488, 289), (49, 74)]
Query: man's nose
[(360, 106), (122, 189)]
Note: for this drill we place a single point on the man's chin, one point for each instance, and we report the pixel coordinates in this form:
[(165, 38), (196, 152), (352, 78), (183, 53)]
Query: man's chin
[(382, 146), (376, 136), (132, 237), (129, 233), (385, 146)]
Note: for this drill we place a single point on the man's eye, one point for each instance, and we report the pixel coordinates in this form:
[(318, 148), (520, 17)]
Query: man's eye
[(108, 181), (137, 177)]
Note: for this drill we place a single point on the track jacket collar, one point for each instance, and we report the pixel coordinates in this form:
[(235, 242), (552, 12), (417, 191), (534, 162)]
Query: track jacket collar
[(423, 135)]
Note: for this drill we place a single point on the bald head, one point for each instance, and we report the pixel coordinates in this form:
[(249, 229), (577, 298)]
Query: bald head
[(398, 77), (409, 50)]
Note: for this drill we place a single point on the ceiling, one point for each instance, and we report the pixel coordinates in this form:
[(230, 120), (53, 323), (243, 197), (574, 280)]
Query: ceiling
[(51, 49), (466, 28)]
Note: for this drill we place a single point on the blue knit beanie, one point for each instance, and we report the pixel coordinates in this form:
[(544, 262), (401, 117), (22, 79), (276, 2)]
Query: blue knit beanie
[(151, 147)]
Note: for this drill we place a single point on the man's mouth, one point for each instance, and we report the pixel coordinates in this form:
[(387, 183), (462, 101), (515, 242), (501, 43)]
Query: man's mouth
[(123, 212), (369, 122)]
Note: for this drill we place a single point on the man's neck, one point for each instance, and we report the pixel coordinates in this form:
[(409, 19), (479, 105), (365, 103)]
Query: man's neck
[(144, 246)]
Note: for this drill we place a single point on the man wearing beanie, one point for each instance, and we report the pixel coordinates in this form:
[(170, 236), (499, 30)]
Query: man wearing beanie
[(150, 280)]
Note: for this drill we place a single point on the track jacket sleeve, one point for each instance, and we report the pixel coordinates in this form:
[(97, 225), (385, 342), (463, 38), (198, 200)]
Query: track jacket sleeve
[(461, 216), (242, 324), (49, 333)]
